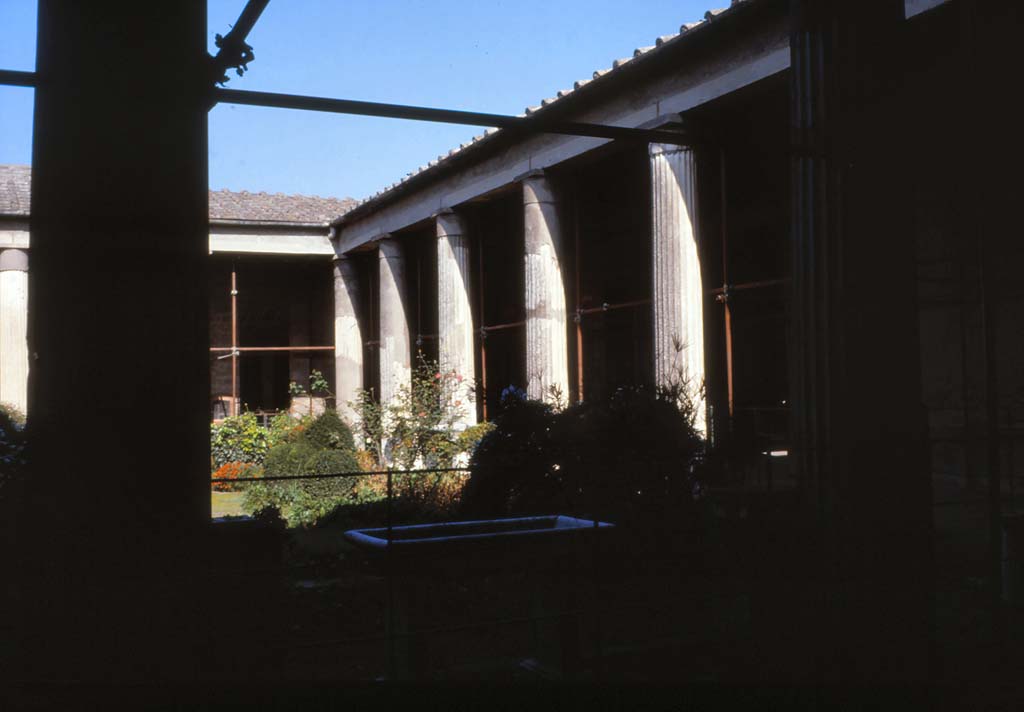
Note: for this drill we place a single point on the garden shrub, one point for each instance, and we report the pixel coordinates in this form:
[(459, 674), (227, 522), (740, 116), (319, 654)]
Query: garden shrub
[(468, 440), (324, 446), (284, 428), (309, 500), (629, 456), (239, 438), (12, 444), (625, 458), (329, 431), (10, 412), (421, 425), (513, 466), (288, 459), (421, 428), (330, 462)]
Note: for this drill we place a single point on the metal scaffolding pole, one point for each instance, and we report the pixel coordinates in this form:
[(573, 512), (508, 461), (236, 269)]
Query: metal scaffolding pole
[(234, 340)]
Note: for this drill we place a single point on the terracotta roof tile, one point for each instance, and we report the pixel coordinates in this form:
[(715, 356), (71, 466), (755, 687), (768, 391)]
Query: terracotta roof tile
[(276, 207), (15, 190)]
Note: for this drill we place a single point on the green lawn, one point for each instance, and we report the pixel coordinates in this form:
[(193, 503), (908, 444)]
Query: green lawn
[(226, 504)]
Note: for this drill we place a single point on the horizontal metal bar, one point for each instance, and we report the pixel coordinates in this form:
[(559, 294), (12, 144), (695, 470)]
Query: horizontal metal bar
[(749, 285), (499, 327), (610, 307), (250, 349), (526, 124), (649, 463), (338, 474), (15, 78)]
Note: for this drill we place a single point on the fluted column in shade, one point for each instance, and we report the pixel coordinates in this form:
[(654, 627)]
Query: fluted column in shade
[(547, 345), (395, 354), (454, 315), (678, 297), (14, 328), (348, 339)]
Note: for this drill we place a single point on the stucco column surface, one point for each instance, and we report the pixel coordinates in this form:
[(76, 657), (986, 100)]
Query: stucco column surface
[(547, 345), (14, 328), (454, 315), (395, 358), (348, 338), (678, 295)]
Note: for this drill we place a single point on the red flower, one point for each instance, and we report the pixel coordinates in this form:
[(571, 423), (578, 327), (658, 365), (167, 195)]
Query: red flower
[(232, 471)]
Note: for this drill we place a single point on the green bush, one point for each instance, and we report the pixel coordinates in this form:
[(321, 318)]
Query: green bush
[(285, 428), (626, 458), (288, 459), (329, 431), (513, 466), (12, 443), (12, 414), (323, 447), (239, 438), (330, 462), (421, 424), (468, 440)]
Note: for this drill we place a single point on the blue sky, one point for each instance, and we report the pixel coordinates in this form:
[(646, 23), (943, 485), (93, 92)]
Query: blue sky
[(494, 56)]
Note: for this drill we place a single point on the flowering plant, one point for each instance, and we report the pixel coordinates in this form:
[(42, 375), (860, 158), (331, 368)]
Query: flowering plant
[(232, 471)]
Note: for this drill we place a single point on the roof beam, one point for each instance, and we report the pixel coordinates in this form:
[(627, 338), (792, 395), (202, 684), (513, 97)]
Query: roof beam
[(524, 124), (15, 78)]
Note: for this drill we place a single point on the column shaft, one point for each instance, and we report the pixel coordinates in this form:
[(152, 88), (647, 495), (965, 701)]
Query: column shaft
[(454, 315), (14, 328), (678, 295), (395, 354), (547, 361), (348, 338)]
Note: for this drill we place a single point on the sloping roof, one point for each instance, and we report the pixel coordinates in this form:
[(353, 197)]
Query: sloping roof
[(599, 78), (225, 205), (15, 182), (276, 207)]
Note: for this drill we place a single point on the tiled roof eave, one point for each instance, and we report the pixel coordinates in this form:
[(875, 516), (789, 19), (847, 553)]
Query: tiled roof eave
[(232, 222), (566, 101)]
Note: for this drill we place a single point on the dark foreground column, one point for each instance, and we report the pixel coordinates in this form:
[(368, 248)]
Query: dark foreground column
[(858, 420), (117, 500)]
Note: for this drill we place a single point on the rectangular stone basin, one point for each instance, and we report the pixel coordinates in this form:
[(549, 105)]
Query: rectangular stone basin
[(424, 553), (438, 539)]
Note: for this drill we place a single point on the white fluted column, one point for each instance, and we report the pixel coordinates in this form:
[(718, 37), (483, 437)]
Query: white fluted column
[(14, 328), (547, 343), (348, 338), (678, 295), (454, 315), (395, 353)]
